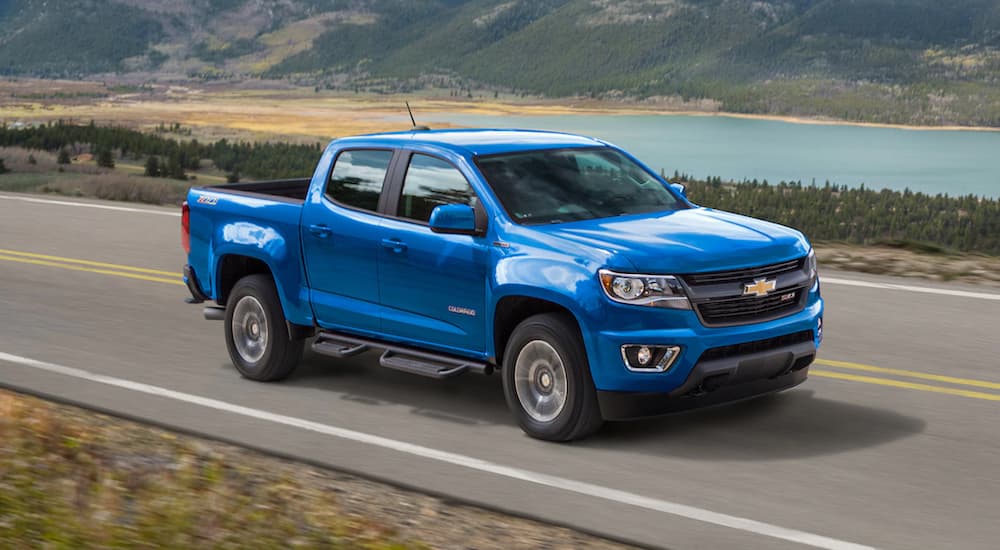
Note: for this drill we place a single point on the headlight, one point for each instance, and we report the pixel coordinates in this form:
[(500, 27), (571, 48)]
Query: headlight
[(811, 268), (644, 290)]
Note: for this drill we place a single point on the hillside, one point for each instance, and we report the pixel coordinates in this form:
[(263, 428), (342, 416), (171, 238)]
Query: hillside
[(896, 61)]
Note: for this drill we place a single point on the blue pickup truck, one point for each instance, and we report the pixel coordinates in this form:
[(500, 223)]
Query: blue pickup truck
[(595, 288)]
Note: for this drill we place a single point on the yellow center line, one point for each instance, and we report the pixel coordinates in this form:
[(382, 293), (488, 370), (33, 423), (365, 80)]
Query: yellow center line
[(145, 274), (176, 281), (910, 374), (901, 384), (118, 267)]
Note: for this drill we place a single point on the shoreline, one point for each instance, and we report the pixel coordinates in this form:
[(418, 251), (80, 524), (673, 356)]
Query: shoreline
[(501, 108), (190, 94)]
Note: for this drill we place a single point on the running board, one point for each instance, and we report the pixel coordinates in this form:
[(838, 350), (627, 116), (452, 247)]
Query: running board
[(402, 358), (338, 346), (214, 313)]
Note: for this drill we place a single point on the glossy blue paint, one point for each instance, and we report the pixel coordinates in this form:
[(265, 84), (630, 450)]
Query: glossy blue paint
[(453, 218), (340, 253), (433, 289), (376, 275)]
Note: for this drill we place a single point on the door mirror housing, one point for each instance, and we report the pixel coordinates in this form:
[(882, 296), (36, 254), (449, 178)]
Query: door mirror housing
[(680, 189), (456, 219)]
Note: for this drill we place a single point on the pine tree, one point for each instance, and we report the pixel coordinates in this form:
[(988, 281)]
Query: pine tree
[(152, 167), (233, 177), (63, 156), (175, 168), (105, 159), (3, 167)]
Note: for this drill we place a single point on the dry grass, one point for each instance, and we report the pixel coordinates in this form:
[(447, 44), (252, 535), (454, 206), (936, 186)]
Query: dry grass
[(911, 260), (274, 110), (88, 180), (71, 482), (73, 479), (110, 186)]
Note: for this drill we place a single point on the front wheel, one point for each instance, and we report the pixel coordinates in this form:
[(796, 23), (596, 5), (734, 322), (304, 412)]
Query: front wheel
[(256, 337), (547, 381)]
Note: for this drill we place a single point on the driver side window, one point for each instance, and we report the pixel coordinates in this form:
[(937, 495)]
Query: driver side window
[(431, 182)]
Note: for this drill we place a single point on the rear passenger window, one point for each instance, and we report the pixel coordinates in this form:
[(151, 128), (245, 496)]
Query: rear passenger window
[(431, 182), (357, 178)]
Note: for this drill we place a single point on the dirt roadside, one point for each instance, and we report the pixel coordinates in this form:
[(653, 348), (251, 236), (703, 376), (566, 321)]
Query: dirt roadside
[(72, 478), (972, 269)]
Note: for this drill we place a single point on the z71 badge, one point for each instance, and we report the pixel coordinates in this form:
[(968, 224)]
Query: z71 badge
[(207, 200)]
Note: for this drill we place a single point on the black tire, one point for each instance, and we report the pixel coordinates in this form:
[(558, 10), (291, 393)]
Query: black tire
[(580, 414), (275, 355)]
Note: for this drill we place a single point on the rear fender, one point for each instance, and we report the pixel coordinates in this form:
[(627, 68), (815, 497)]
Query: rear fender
[(266, 244)]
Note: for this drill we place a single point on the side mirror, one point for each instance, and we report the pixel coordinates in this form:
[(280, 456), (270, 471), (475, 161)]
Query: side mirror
[(679, 189), (458, 219)]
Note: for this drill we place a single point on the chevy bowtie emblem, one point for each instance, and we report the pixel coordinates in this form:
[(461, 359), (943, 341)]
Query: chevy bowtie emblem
[(759, 287)]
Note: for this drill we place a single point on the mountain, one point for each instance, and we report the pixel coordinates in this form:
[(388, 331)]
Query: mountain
[(921, 61)]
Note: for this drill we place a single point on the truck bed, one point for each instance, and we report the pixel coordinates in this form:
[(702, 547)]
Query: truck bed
[(293, 189)]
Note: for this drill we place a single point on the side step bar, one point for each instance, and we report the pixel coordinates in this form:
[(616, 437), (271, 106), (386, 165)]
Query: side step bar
[(338, 346), (214, 313), (399, 357)]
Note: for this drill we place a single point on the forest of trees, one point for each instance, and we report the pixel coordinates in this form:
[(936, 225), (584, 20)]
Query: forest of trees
[(860, 215), (260, 160)]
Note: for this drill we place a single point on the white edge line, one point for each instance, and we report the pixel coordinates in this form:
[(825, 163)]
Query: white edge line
[(579, 487), (89, 205), (909, 288)]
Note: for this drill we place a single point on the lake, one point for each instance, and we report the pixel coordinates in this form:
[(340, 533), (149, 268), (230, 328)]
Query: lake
[(932, 161)]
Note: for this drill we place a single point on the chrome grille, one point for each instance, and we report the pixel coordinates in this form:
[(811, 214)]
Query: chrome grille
[(721, 298), (741, 275), (751, 308)]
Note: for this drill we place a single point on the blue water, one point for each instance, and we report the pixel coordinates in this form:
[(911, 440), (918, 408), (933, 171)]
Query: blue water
[(932, 161)]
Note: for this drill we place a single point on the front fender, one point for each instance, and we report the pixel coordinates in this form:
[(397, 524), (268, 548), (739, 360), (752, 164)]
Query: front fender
[(571, 285)]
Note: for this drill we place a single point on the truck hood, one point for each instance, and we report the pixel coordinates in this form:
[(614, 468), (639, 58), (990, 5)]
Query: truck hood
[(686, 241)]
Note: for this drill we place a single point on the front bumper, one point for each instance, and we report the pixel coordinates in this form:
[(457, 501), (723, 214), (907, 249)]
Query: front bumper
[(619, 325), (717, 381)]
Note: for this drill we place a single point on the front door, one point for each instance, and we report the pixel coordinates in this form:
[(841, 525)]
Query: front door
[(340, 241), (432, 286)]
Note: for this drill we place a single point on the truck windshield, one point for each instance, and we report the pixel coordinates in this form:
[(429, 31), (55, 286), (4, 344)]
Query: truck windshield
[(562, 185)]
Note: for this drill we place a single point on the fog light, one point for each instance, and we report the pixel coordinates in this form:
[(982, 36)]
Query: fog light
[(643, 358)]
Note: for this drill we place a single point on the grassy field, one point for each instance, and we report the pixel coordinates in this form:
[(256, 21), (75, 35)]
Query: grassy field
[(285, 112), (124, 182)]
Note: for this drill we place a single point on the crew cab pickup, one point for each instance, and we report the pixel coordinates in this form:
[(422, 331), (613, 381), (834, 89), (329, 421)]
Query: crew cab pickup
[(595, 288)]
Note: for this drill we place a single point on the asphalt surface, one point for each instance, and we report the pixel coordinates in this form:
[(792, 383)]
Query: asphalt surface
[(893, 442)]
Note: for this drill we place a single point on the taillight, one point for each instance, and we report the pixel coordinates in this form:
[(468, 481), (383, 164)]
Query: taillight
[(186, 227)]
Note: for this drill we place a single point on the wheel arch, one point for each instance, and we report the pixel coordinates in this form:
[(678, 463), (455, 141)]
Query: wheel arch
[(233, 267), (513, 309)]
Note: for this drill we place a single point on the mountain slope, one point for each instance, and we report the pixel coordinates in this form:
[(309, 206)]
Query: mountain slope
[(882, 60)]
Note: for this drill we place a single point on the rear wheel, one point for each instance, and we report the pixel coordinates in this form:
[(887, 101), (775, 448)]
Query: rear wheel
[(256, 334), (547, 380)]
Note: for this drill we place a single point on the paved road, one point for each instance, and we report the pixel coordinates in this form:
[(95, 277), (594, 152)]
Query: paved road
[(894, 441)]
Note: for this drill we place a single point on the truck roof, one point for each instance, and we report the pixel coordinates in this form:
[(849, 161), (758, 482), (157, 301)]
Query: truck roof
[(479, 141)]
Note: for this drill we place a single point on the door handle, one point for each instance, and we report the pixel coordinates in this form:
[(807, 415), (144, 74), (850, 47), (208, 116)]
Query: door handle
[(395, 245), (320, 230)]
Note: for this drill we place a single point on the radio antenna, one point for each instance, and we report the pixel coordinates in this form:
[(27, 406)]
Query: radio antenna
[(414, 122)]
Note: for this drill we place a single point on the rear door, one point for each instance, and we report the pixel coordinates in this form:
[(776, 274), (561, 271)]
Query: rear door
[(340, 241), (432, 286)]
